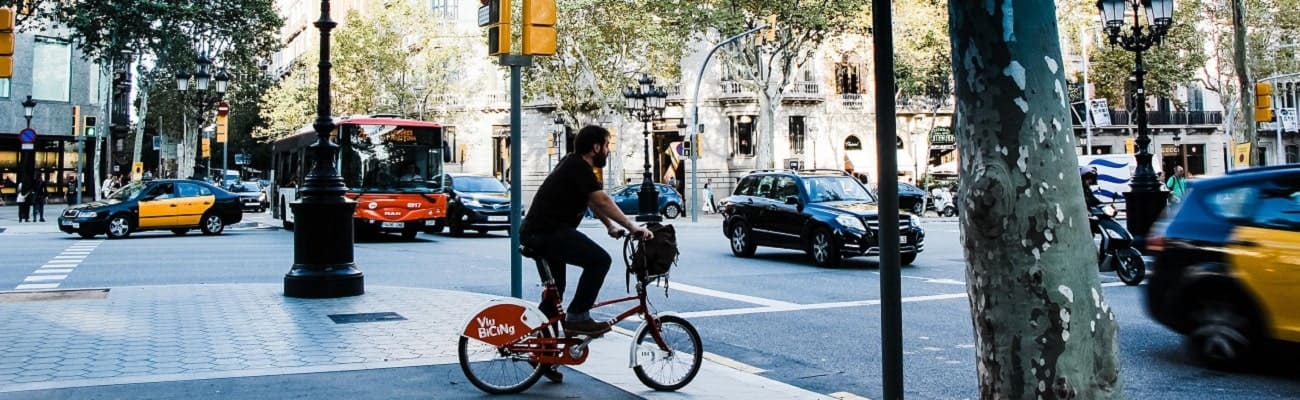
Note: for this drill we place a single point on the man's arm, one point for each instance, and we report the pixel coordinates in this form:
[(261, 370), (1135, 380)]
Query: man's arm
[(603, 207)]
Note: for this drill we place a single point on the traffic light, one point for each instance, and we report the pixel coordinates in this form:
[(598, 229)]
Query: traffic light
[(495, 15), (76, 120), (686, 148), (90, 125), (6, 42), (207, 147), (769, 33), (539, 27), (1263, 102)]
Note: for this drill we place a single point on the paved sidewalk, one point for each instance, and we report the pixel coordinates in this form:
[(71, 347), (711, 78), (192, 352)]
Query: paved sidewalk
[(152, 334)]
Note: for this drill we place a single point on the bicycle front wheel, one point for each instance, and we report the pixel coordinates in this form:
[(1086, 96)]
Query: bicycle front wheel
[(673, 369), (497, 370)]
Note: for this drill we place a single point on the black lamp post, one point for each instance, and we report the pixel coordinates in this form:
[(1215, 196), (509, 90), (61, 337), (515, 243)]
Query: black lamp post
[(646, 102), (1145, 202), (323, 266), (27, 169), (555, 136), (203, 99)]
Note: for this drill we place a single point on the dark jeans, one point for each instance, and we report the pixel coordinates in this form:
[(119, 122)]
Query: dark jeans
[(38, 210), (24, 211), (568, 246)]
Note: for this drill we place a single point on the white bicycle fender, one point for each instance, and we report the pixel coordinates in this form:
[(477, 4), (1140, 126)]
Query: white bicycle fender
[(632, 355)]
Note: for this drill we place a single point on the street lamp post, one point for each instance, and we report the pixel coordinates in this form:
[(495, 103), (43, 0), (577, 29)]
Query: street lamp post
[(646, 102), (203, 100), (555, 140), (322, 241), (1145, 201), (27, 170)]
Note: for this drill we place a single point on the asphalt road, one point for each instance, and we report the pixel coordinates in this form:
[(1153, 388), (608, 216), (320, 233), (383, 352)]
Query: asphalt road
[(775, 313)]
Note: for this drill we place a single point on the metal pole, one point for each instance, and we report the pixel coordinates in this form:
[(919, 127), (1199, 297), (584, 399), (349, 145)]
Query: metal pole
[(695, 122), (1087, 102), (516, 64), (891, 316)]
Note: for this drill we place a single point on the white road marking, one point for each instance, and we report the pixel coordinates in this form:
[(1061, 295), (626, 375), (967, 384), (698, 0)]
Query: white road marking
[(54, 271), (817, 306), (44, 278), (847, 396), (730, 296), (37, 286), (48, 271)]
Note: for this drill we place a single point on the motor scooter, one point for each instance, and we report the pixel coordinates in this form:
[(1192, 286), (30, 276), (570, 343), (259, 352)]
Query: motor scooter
[(942, 204), (1115, 250)]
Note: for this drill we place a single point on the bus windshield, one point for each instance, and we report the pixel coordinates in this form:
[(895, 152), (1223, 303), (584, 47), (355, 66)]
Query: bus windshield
[(391, 159)]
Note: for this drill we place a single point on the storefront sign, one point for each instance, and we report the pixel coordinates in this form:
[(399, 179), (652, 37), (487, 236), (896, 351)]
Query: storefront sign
[(941, 138), (1288, 118), (1169, 149), (1100, 112)]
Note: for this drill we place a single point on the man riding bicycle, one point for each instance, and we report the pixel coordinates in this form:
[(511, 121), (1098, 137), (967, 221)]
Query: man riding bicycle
[(550, 227)]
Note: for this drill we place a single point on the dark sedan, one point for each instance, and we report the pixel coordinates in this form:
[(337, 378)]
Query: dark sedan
[(475, 202), (911, 199), (627, 197), (251, 196), (172, 204)]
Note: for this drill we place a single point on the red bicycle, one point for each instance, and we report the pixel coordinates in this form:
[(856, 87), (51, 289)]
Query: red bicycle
[(508, 342)]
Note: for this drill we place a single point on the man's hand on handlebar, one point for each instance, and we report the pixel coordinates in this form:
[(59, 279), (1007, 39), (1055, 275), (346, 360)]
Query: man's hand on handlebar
[(639, 233)]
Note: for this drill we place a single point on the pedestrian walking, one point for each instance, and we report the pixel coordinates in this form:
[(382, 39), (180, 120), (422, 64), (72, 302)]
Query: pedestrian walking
[(71, 194), (24, 202), (709, 205), (3, 185), (1177, 184), (40, 194)]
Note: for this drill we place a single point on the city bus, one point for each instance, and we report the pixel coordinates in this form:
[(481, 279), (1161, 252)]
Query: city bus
[(387, 163)]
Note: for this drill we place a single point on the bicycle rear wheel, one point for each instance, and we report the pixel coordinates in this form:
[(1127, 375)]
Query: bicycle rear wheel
[(497, 370), (672, 370)]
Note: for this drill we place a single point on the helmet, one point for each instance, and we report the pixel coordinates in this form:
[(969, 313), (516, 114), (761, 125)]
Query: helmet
[(1087, 172)]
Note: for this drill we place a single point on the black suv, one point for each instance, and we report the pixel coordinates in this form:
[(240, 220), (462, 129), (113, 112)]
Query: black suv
[(828, 214)]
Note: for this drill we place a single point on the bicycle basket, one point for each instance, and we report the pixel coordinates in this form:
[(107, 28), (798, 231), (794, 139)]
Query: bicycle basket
[(655, 257)]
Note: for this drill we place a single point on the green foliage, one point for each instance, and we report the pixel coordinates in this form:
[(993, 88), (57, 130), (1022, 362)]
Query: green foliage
[(379, 61), (1175, 62), (594, 60), (922, 50)]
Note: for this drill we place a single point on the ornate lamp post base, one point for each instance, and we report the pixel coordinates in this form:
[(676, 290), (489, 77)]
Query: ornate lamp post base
[(320, 241), (1143, 208), (648, 201)]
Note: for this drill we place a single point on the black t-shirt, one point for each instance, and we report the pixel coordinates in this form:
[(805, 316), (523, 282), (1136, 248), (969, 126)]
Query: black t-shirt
[(561, 201)]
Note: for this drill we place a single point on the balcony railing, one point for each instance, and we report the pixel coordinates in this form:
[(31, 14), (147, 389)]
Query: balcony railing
[(851, 100), (805, 88), (733, 87), (1125, 118), (674, 91)]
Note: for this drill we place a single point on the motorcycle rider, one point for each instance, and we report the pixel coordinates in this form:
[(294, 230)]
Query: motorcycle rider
[(1097, 217)]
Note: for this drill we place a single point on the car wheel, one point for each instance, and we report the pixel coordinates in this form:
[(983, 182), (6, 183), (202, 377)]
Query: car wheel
[(119, 226), (180, 231), (437, 227), (211, 224), (742, 243), (949, 211), (86, 235), (672, 210), (918, 209), (906, 258), (1223, 336), (824, 248)]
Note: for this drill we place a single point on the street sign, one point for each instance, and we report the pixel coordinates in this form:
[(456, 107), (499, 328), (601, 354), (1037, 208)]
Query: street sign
[(1288, 118), (28, 138), (157, 143), (1100, 112)]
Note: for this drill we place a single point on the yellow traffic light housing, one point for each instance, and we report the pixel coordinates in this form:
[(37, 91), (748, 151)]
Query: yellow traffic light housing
[(76, 121), (539, 28), (7, 42), (495, 15), (1263, 102), (769, 33)]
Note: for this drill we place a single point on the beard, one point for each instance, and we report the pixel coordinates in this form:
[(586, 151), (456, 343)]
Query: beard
[(599, 159)]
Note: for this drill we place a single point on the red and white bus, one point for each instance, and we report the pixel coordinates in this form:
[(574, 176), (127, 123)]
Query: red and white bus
[(387, 163)]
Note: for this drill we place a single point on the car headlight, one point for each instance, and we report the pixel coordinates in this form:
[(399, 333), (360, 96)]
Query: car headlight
[(913, 220), (87, 214), (851, 222), (470, 201), (261, 197)]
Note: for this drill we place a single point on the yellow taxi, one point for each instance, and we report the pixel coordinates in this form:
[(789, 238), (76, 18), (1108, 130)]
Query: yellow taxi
[(172, 204), (1227, 269)]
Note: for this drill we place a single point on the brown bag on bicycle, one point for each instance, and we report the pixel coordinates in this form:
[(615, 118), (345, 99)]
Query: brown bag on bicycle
[(655, 257)]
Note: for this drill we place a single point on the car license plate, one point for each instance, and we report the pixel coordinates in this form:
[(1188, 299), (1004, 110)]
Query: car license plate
[(430, 222), (392, 224), (902, 239), (498, 218)]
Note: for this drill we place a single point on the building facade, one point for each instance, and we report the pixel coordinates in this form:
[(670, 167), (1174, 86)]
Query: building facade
[(49, 68)]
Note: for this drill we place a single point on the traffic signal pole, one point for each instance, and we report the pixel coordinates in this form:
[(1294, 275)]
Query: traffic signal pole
[(516, 64)]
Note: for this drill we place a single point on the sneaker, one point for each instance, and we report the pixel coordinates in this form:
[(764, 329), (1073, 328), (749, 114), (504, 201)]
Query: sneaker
[(585, 328), (552, 373)]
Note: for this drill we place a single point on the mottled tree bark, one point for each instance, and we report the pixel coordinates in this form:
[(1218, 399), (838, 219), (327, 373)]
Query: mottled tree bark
[(1042, 327), (1246, 85)]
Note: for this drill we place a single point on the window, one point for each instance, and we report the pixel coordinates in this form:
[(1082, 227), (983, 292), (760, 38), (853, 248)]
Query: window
[(764, 186), (742, 135), (1231, 203), (898, 142), (848, 78), (445, 8), (785, 187), (1292, 154), (1195, 99), (1279, 207), (4, 87), (51, 69), (746, 187), (796, 135), (93, 86), (451, 152), (188, 190)]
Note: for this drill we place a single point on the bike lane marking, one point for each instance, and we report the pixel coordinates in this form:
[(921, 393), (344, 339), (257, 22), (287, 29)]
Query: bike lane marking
[(53, 272)]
